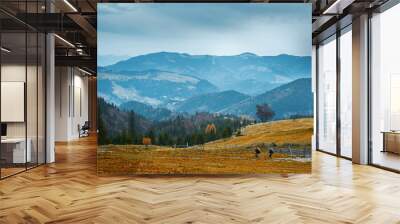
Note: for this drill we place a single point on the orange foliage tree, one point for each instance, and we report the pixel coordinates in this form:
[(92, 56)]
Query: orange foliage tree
[(211, 129), (146, 141)]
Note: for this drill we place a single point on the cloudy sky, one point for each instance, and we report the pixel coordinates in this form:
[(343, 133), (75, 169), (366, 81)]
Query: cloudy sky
[(126, 29)]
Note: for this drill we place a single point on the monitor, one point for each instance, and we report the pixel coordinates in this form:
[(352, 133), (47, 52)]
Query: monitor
[(3, 129)]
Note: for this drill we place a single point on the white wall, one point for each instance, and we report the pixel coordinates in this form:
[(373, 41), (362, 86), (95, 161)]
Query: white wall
[(81, 113), (62, 82), (71, 94)]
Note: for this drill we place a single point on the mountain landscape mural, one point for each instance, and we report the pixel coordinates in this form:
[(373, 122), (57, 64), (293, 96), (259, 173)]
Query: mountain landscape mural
[(180, 112), (180, 82)]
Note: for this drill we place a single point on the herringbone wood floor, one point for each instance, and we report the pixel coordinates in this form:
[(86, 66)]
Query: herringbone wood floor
[(70, 192)]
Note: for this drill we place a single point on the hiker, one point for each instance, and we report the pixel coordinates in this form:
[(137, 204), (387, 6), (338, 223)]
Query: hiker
[(271, 151), (257, 152)]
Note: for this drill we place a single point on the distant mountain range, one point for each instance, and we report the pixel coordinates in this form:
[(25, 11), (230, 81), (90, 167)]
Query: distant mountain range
[(294, 98), (211, 102), (162, 85), (152, 87), (246, 73)]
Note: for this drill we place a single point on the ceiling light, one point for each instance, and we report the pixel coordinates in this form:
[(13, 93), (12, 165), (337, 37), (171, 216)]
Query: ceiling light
[(337, 7), (84, 71), (70, 5), (331, 7), (79, 51), (64, 40), (5, 50)]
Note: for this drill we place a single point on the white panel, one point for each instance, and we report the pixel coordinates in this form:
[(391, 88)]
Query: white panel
[(12, 101)]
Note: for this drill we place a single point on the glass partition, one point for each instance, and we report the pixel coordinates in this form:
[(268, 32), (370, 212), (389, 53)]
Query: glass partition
[(327, 96), (31, 98), (346, 93), (14, 155), (22, 88), (385, 89), (41, 96)]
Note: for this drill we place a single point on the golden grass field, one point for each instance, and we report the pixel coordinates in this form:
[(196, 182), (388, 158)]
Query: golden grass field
[(233, 155)]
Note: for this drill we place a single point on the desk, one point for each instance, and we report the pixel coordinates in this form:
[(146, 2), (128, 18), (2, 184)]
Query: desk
[(391, 141), (13, 150)]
